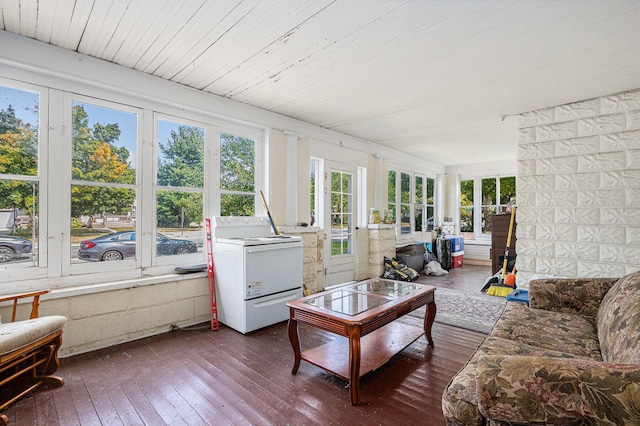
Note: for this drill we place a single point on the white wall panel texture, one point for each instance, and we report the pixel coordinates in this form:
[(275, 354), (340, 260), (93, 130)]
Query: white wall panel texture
[(579, 188)]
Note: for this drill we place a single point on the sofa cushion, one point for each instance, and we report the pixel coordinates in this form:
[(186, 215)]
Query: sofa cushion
[(571, 333), (15, 335), (459, 400), (618, 321)]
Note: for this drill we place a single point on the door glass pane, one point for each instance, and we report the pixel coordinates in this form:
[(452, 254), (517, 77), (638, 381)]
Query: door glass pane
[(341, 213)]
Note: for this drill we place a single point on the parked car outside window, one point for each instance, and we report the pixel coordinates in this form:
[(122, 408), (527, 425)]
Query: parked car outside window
[(13, 247), (122, 245)]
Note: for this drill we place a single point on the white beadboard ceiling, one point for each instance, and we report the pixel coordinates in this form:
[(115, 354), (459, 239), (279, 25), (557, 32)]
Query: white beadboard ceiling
[(437, 79)]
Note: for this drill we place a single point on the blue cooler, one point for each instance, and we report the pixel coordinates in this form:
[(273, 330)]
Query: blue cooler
[(457, 243)]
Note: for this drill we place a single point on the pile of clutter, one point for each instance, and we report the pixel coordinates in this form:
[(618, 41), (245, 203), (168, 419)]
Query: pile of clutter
[(396, 270), (411, 261)]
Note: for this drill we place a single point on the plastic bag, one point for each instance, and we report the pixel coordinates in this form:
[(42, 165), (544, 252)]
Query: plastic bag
[(434, 268)]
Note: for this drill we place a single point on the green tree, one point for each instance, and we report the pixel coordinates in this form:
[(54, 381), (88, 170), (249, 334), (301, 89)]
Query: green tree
[(182, 159), (466, 203), (237, 175), (96, 158), (18, 156), (181, 164)]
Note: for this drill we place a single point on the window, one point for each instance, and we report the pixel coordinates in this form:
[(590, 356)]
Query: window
[(113, 182), (414, 194), (481, 198), (315, 184), (424, 203), (466, 206), (180, 188), (431, 204), (103, 181), (19, 176), (237, 175), (341, 213), (392, 202), (363, 217), (405, 203), (418, 224)]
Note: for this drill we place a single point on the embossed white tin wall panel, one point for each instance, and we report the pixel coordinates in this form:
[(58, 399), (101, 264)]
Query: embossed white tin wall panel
[(579, 188)]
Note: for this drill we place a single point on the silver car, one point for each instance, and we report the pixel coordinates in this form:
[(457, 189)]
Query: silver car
[(13, 247), (122, 245)]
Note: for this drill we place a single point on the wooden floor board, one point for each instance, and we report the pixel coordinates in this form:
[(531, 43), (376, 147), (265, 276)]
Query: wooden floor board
[(204, 377)]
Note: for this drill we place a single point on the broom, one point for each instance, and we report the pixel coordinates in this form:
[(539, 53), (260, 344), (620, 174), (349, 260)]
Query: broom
[(501, 289)]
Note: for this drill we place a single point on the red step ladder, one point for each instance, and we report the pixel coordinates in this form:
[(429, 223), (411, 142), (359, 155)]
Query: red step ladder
[(215, 325)]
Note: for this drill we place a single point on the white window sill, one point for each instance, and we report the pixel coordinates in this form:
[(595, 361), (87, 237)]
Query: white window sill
[(60, 293)]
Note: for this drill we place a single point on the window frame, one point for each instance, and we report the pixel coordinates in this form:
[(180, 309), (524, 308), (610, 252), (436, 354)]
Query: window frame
[(183, 258), (478, 206), (14, 272), (68, 267), (413, 177), (54, 180)]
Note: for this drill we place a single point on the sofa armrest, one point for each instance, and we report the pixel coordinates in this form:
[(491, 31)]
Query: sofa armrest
[(556, 390), (580, 296)]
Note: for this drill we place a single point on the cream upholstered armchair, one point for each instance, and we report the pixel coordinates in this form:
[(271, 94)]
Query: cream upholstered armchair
[(28, 351)]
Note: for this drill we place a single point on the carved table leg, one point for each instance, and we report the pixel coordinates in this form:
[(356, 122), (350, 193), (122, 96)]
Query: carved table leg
[(354, 365), (429, 317), (295, 343)]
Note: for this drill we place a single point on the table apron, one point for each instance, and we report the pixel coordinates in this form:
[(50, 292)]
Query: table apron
[(333, 326), (342, 329)]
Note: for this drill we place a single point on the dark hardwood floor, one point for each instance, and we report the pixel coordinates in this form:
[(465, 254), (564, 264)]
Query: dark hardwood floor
[(204, 377)]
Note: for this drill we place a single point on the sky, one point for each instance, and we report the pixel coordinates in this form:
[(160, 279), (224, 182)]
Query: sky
[(25, 105)]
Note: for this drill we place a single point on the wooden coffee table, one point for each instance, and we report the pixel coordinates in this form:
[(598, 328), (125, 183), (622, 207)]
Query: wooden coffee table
[(364, 313)]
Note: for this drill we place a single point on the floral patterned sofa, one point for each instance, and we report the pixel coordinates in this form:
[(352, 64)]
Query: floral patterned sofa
[(572, 358)]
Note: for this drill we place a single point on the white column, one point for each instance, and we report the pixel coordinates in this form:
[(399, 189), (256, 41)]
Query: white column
[(377, 183), (291, 186)]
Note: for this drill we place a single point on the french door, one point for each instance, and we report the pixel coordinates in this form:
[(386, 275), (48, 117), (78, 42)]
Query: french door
[(339, 217)]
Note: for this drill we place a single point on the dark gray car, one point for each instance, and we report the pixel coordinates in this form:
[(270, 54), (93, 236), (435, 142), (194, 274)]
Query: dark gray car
[(12, 247), (122, 245)]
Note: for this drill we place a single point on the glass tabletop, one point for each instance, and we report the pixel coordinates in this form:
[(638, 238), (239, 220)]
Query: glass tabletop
[(357, 298)]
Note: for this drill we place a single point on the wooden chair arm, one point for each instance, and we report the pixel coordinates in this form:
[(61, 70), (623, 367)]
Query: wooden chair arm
[(34, 304)]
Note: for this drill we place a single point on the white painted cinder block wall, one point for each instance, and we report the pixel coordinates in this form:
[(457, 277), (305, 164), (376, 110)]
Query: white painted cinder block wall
[(578, 189)]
